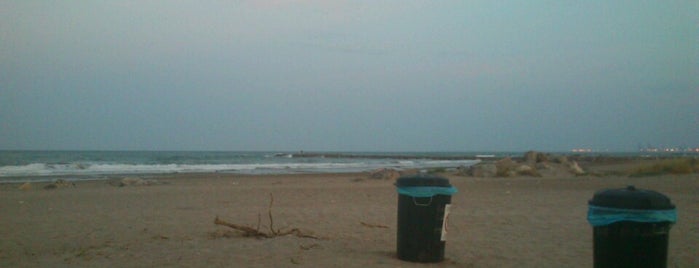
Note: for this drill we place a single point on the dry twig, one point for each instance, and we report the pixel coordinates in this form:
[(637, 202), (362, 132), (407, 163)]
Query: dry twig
[(249, 231), (373, 225), (269, 212)]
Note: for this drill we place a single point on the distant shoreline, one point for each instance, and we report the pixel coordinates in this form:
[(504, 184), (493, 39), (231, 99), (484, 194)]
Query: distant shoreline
[(94, 165), (486, 154)]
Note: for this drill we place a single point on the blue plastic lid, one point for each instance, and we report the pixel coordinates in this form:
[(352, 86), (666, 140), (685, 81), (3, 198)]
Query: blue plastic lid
[(630, 205), (422, 180), (631, 198), (424, 186), (602, 216)]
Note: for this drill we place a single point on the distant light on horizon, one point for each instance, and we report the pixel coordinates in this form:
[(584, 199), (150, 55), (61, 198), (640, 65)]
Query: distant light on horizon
[(670, 150)]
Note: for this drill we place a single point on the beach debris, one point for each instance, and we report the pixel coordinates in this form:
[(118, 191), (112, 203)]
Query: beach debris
[(527, 170), (506, 167), (59, 183), (25, 186), (257, 233), (560, 159), (50, 187), (296, 260), (384, 174), (309, 247), (247, 231), (532, 157), (390, 173), (134, 181), (483, 169), (114, 182), (160, 237), (370, 225), (543, 165), (532, 163), (575, 168), (358, 179)]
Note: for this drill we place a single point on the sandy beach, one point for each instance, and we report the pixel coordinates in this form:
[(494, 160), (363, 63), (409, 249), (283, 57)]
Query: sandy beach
[(495, 222)]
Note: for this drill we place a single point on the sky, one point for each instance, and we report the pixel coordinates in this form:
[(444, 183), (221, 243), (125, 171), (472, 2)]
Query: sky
[(348, 75)]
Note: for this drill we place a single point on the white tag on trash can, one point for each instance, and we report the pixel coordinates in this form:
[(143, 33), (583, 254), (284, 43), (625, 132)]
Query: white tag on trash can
[(445, 225)]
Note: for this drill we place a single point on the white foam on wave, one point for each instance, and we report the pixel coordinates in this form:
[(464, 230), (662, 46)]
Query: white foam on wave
[(82, 169), (34, 168), (38, 169), (447, 163)]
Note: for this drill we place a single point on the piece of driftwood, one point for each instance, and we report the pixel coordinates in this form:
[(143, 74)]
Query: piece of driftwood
[(309, 247), (373, 225), (249, 231)]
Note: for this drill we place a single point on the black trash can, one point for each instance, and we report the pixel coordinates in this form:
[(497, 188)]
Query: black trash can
[(630, 227), (423, 210)]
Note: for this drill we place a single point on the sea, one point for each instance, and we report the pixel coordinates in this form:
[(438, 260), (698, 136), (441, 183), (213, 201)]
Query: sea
[(35, 166)]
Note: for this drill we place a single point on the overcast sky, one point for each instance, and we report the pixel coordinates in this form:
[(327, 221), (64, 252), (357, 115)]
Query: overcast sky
[(349, 75)]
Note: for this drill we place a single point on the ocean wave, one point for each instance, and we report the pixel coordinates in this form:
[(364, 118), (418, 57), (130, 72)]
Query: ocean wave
[(40, 169), (278, 165), (92, 169)]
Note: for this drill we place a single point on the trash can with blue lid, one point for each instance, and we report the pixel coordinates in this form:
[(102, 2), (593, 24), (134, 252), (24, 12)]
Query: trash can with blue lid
[(630, 227), (423, 211)]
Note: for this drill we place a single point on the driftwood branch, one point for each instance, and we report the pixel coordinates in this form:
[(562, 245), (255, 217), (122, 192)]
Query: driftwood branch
[(373, 225), (269, 212), (249, 231)]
